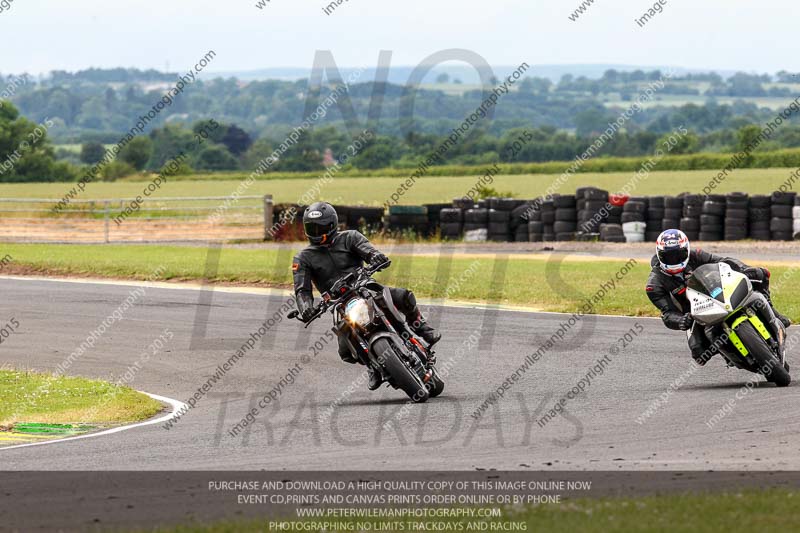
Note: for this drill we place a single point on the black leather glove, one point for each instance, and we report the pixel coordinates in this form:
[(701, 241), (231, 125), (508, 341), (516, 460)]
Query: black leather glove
[(378, 259), (307, 313), (305, 306), (753, 273), (685, 322)]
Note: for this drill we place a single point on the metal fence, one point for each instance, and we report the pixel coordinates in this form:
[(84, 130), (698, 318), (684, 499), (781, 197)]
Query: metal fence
[(209, 218)]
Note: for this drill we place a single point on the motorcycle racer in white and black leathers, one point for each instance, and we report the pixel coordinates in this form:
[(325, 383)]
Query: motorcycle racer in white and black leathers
[(666, 287), (332, 254)]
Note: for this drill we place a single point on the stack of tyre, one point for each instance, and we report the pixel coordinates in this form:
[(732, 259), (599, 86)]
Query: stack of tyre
[(519, 221), (673, 211), (463, 203), (499, 229), (407, 219), (361, 218), (451, 223), (782, 210), (535, 225), (591, 205), (712, 219), (476, 224), (736, 216), (611, 230), (499, 225), (759, 217), (548, 210), (580, 207), (692, 211), (565, 216), (634, 219), (615, 207), (541, 227), (433, 216), (796, 217), (655, 218)]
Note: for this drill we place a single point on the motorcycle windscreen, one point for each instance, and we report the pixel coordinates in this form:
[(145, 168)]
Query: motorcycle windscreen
[(707, 280), (739, 294)]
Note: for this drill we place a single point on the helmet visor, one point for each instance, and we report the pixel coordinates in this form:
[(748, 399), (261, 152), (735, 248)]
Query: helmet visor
[(673, 256), (316, 229)]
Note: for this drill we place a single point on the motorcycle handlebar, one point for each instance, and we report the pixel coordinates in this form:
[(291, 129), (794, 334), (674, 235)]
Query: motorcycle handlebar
[(323, 306), (372, 269)]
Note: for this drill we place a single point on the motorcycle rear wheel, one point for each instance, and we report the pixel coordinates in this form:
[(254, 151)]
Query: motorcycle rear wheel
[(402, 376), (763, 355)]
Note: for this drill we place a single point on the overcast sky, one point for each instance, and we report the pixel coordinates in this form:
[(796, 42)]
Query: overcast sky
[(42, 35)]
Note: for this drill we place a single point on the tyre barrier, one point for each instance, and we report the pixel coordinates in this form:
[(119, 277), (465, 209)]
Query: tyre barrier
[(591, 214), (407, 219)]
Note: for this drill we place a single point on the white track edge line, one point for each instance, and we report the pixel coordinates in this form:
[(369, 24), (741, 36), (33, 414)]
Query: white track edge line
[(175, 404)]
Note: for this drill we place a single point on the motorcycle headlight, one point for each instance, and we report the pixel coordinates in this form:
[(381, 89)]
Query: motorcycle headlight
[(358, 312)]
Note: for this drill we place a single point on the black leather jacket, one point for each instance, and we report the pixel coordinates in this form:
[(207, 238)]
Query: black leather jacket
[(323, 264), (668, 293)]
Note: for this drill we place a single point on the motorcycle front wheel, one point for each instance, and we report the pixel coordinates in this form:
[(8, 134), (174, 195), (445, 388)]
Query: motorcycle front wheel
[(402, 376), (435, 385), (765, 359)]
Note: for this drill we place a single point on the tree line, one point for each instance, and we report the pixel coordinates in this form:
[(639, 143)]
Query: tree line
[(99, 104), (556, 121)]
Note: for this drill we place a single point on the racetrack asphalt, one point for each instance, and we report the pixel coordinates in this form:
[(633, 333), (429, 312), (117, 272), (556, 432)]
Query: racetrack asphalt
[(599, 430)]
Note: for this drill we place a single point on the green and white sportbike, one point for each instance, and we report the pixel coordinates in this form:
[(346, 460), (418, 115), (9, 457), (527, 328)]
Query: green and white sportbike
[(739, 321)]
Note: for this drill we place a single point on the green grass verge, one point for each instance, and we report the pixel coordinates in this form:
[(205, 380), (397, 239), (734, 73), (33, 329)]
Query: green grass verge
[(356, 191), (534, 281), (33, 397), (767, 511)]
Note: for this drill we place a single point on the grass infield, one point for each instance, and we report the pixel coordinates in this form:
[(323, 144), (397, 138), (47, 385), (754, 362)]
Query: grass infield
[(31, 397), (542, 282)]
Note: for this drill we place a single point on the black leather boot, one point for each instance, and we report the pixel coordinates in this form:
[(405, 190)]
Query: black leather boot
[(703, 357), (375, 378), (420, 325), (784, 319), (702, 349)]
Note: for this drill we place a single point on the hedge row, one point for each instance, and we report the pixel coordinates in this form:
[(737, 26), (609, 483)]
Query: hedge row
[(703, 161)]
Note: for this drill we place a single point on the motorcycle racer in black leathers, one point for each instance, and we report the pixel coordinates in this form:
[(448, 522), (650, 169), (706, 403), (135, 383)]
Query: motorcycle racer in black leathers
[(332, 254), (666, 287)]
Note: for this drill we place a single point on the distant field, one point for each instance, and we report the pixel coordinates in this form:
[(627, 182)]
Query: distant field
[(677, 100), (376, 190)]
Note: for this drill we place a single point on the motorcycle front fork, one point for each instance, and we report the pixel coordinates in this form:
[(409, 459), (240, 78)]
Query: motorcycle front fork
[(764, 311)]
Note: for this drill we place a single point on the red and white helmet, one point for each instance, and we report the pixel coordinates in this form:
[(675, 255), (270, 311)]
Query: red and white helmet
[(672, 249)]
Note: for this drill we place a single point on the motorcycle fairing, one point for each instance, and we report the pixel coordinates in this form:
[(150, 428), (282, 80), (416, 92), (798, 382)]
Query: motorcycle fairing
[(728, 287)]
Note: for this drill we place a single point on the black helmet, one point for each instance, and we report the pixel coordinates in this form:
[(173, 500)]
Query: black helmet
[(320, 223)]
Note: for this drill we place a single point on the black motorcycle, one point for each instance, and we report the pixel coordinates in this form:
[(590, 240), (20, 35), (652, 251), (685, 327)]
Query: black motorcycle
[(378, 335)]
